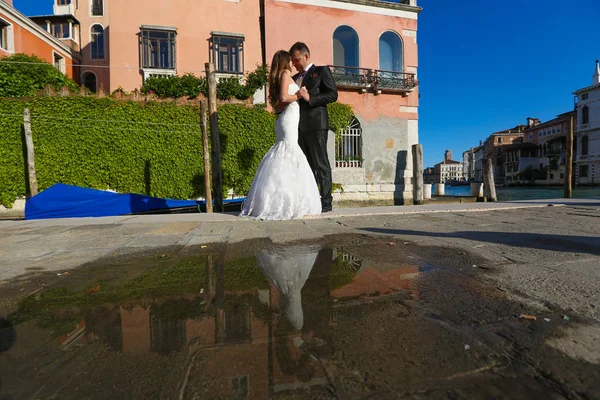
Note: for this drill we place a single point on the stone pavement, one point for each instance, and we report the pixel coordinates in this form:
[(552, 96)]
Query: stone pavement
[(545, 253)]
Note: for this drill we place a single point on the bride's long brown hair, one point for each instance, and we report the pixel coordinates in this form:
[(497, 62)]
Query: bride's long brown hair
[(281, 62)]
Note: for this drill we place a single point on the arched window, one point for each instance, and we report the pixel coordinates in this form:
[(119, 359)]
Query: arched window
[(390, 52), (345, 47), (90, 82), (97, 43), (584, 146), (585, 115)]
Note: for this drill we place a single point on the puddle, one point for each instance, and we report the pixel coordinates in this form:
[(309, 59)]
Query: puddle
[(353, 317)]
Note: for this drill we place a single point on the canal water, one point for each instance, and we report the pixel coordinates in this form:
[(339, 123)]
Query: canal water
[(526, 193)]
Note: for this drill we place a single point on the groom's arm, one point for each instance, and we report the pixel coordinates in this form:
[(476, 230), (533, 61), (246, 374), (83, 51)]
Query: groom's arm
[(328, 91)]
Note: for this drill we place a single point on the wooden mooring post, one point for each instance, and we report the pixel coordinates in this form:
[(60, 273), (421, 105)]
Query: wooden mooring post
[(569, 160), (217, 172), (31, 176), (207, 168), (417, 156), (488, 180)]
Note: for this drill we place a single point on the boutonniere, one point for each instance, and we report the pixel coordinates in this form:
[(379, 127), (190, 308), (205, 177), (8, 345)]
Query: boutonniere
[(314, 75)]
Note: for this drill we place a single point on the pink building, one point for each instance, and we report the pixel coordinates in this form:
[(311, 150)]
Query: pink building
[(123, 42), (371, 47)]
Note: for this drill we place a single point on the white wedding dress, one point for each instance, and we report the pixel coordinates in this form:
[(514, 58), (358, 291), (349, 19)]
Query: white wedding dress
[(284, 186), (288, 269)]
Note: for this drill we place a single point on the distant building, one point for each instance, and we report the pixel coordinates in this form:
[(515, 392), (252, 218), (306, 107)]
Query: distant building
[(429, 175), (493, 148), (448, 170), (550, 140), (20, 34), (479, 163), (588, 131), (470, 163)]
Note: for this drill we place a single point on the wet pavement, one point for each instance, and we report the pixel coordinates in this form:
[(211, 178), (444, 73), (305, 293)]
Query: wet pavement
[(378, 314)]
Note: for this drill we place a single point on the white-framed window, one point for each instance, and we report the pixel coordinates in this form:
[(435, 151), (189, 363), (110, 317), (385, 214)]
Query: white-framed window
[(584, 96), (158, 47), (61, 30), (6, 36), (59, 62), (97, 44), (228, 52), (348, 149), (97, 8)]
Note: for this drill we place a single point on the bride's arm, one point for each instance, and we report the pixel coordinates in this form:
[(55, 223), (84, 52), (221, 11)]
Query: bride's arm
[(286, 81)]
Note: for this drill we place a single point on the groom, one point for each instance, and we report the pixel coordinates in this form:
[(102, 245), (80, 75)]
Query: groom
[(317, 89)]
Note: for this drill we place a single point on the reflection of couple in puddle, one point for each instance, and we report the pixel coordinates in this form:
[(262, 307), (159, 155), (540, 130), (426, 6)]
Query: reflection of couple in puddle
[(301, 275)]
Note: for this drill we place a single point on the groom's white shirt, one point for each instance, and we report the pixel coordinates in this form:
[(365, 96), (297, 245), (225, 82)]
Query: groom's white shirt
[(301, 76)]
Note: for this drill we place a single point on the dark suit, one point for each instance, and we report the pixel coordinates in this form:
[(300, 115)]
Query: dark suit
[(314, 126)]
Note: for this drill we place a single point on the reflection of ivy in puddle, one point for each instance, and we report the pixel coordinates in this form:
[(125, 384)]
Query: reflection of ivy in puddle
[(343, 270), (60, 310), (172, 290)]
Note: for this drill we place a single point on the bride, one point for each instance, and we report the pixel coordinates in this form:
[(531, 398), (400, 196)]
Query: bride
[(284, 186)]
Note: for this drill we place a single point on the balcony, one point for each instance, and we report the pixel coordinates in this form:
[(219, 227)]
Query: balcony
[(352, 77), (583, 127), (376, 80), (391, 81), (409, 5), (63, 8)]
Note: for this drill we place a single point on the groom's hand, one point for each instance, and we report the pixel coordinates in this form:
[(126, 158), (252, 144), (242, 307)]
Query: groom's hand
[(304, 93)]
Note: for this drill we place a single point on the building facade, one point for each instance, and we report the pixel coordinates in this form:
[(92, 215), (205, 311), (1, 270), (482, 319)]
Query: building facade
[(493, 149), (588, 131), (124, 42), (371, 48), (550, 137), (448, 171), (20, 34), (470, 164)]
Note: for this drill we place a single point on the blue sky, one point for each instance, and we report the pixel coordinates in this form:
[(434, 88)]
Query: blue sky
[(485, 66)]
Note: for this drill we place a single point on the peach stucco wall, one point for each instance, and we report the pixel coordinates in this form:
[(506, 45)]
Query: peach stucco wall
[(29, 43), (316, 26), (87, 20), (194, 21)]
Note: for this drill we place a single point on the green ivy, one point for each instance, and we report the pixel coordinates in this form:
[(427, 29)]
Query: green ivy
[(340, 116), (152, 148), (22, 75), (191, 86)]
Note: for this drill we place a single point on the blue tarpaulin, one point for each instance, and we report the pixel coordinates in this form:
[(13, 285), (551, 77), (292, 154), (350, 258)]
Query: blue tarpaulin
[(66, 201)]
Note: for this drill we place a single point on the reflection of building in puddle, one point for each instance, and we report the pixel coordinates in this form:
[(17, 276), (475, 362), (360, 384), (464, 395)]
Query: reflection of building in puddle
[(253, 338), (359, 277)]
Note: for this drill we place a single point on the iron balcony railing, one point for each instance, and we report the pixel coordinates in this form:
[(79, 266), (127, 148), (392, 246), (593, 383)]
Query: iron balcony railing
[(351, 77), (377, 80), (394, 81)]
